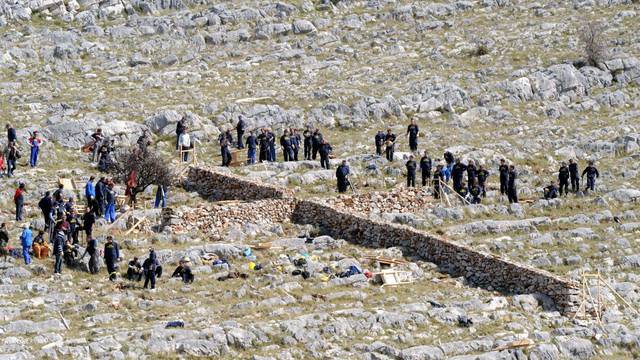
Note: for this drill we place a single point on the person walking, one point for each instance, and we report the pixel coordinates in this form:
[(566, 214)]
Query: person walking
[(92, 250), (592, 173), (26, 240), (18, 199)]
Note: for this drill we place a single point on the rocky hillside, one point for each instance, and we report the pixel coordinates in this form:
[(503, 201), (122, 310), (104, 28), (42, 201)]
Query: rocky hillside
[(485, 79)]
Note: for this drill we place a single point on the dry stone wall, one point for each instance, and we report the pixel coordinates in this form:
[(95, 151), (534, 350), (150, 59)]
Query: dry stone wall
[(397, 201), (339, 218), (217, 186)]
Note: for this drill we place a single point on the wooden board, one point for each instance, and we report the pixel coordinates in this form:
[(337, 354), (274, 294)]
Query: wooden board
[(69, 184), (391, 277)]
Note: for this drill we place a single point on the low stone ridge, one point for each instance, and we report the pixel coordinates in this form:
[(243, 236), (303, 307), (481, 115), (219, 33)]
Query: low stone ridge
[(217, 186), (396, 201), (332, 218), (213, 220)]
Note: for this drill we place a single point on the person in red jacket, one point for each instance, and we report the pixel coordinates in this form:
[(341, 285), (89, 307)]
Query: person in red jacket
[(18, 199)]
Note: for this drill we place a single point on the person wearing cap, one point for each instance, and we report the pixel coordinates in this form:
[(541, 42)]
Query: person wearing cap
[(18, 199), (150, 268), (134, 270), (183, 271), (26, 239), (111, 256), (34, 142)]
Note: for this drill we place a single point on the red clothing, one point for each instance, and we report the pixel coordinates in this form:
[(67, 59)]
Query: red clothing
[(18, 194), (33, 139)]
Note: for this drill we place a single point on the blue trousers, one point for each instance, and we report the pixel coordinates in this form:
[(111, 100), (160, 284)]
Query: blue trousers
[(25, 254), (110, 212), (251, 156), (33, 160), (161, 200), (591, 183)]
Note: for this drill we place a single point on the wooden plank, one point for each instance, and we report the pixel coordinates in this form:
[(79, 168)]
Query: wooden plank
[(135, 225), (524, 343)]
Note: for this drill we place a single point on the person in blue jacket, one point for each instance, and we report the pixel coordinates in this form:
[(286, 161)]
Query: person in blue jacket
[(90, 190), (26, 239)]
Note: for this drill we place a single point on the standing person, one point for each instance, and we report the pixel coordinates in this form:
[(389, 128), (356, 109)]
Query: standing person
[(295, 143), (285, 143), (161, 196), (573, 173), (101, 194), (504, 176), (88, 219), (12, 157), (225, 152), (94, 253), (325, 151), (482, 180), (450, 161), (150, 266), (111, 257), (438, 178), (18, 199), (143, 141), (390, 141), (413, 132), (472, 173), (563, 178), (425, 168), (74, 226), (316, 142), (184, 144), (34, 142), (512, 191), (457, 175), (181, 126), (342, 175), (379, 141), (252, 145), (4, 241), (46, 206), (11, 134), (26, 239), (592, 173), (90, 190), (411, 172), (263, 141), (271, 138), (308, 139), (110, 212), (98, 140), (58, 250), (240, 131)]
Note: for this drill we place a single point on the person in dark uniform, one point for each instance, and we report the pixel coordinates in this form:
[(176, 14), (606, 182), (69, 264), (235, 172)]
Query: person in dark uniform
[(252, 145), (325, 151), (316, 142), (225, 152), (483, 174), (285, 143), (412, 132), (573, 173), (111, 256), (457, 174), (180, 127), (475, 191), (150, 268), (134, 270), (438, 178), (411, 171), (379, 141), (390, 142), (271, 138), (425, 168), (504, 176), (592, 173), (472, 174), (58, 250), (308, 139), (551, 191), (563, 179), (94, 253), (512, 191), (240, 131), (342, 175), (263, 141)]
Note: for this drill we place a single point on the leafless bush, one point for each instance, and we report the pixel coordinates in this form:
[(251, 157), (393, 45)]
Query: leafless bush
[(594, 42), (150, 168)]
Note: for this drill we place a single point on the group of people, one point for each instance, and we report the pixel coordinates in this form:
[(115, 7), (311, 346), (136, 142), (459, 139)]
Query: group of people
[(570, 173), (11, 153)]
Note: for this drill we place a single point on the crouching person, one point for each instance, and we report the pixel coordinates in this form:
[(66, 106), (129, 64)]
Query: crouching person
[(134, 271), (183, 271), (40, 246)]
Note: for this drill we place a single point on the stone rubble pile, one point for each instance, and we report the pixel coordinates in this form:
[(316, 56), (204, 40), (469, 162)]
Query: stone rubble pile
[(397, 201)]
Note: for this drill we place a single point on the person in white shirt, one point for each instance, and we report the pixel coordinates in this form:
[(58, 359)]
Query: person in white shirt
[(184, 143)]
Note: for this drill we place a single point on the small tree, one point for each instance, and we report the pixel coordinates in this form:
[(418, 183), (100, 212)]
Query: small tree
[(594, 42), (150, 168)]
